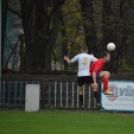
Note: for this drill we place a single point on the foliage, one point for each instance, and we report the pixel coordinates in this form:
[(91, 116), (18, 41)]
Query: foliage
[(56, 28)]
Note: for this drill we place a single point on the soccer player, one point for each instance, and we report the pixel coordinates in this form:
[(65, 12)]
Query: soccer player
[(96, 72), (83, 75)]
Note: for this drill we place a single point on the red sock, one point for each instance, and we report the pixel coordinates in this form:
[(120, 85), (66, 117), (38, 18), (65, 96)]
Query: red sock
[(105, 83)]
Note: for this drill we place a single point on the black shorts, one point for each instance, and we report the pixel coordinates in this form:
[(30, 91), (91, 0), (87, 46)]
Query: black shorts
[(81, 80)]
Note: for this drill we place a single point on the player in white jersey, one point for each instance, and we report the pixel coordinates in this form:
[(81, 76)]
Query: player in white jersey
[(83, 75)]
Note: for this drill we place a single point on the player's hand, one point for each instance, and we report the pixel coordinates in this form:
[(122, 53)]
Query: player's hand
[(96, 85), (65, 58), (92, 54)]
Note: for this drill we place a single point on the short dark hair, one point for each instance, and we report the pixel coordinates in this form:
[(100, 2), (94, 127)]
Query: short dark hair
[(105, 53), (84, 48)]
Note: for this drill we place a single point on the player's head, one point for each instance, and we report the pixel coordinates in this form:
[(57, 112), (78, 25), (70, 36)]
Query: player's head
[(106, 56), (84, 49)]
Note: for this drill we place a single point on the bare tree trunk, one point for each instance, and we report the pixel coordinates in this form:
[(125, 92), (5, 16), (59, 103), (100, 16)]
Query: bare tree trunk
[(53, 36), (64, 42), (39, 36), (28, 20), (22, 53), (4, 18), (88, 24), (34, 29)]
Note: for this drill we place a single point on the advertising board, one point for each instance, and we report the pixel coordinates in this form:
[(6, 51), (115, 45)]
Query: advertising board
[(122, 98)]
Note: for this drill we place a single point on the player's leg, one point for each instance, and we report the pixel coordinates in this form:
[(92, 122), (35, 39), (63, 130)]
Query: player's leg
[(95, 90), (94, 87), (80, 88), (104, 75), (96, 93), (80, 81)]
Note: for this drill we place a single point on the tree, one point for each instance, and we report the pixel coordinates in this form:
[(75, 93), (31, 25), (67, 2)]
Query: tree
[(115, 28), (41, 24), (88, 24), (4, 17)]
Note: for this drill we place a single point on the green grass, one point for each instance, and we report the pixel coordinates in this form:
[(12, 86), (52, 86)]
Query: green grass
[(65, 122)]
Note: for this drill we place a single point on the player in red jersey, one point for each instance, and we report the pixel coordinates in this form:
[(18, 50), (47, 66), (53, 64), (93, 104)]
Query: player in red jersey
[(96, 72)]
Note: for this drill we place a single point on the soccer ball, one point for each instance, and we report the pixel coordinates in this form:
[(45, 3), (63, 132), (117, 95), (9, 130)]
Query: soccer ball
[(111, 46)]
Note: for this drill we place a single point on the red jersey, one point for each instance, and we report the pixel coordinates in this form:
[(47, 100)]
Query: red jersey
[(97, 66)]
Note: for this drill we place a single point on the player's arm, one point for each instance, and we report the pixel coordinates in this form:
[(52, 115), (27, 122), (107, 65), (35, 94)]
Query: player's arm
[(67, 60), (94, 77), (75, 59), (93, 58), (94, 73)]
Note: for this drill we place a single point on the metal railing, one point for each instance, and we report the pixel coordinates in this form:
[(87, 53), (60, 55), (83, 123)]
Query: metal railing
[(53, 94)]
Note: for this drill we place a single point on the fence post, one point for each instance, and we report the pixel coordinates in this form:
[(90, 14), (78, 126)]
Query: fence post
[(3, 94), (55, 91), (66, 94), (100, 90), (49, 94), (15, 93), (43, 94), (89, 98), (61, 94), (84, 86), (77, 97), (9, 93), (21, 87), (72, 94)]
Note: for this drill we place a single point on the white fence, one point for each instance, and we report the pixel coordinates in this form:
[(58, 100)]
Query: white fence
[(54, 94)]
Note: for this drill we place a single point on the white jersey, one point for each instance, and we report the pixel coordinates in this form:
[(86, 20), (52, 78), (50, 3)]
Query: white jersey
[(84, 60)]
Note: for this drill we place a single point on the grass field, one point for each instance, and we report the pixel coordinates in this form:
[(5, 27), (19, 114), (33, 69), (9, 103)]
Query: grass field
[(65, 122)]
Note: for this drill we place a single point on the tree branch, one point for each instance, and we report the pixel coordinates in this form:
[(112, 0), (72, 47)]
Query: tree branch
[(14, 12)]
